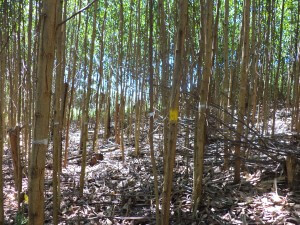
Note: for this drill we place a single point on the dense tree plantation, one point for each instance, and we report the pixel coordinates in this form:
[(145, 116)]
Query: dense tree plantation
[(150, 112)]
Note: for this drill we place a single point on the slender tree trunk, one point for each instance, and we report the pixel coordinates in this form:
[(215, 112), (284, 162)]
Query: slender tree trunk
[(98, 106), (74, 69), (137, 83), (1, 138), (154, 170), (18, 70), (232, 73), (214, 84), (84, 85), (256, 101), (28, 101), (296, 96), (165, 75), (107, 110), (174, 111), (199, 77), (64, 87), (119, 81), (297, 91), (2, 100), (120, 106), (277, 71), (226, 84), (242, 91), (265, 106), (253, 69), (97, 115), (57, 126), (42, 112), (85, 115), (201, 124)]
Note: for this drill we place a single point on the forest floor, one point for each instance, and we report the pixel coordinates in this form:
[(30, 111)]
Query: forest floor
[(119, 192)]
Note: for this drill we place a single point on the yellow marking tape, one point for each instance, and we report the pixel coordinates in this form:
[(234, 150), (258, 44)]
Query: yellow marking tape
[(173, 115)]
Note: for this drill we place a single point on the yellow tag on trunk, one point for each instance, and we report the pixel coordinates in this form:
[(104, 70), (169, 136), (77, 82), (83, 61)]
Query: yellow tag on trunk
[(26, 199), (173, 115)]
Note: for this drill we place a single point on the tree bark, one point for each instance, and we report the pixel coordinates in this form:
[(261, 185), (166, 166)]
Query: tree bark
[(243, 88), (277, 71), (57, 126), (99, 102), (226, 84), (165, 75), (174, 111), (42, 112), (201, 124), (2, 100), (151, 119), (85, 115), (266, 94), (74, 69)]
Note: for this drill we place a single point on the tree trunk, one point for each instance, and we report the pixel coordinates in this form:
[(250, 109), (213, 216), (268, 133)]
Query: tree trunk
[(107, 110), (265, 106), (153, 163), (57, 126), (99, 102), (242, 92), (85, 115), (277, 71), (74, 69), (201, 124), (165, 75), (28, 101), (137, 105), (226, 85), (296, 96), (253, 69), (174, 111), (2, 101), (42, 112)]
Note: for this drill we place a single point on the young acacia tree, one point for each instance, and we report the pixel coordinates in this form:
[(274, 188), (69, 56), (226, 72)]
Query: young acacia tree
[(201, 124), (243, 89), (2, 99), (296, 92), (164, 70), (265, 103), (99, 97), (28, 100), (174, 111), (73, 78), (277, 70), (137, 105), (42, 112), (85, 116), (57, 126), (151, 120), (225, 96)]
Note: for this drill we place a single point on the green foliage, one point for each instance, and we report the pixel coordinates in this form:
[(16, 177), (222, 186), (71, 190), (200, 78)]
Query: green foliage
[(136, 35), (21, 219)]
